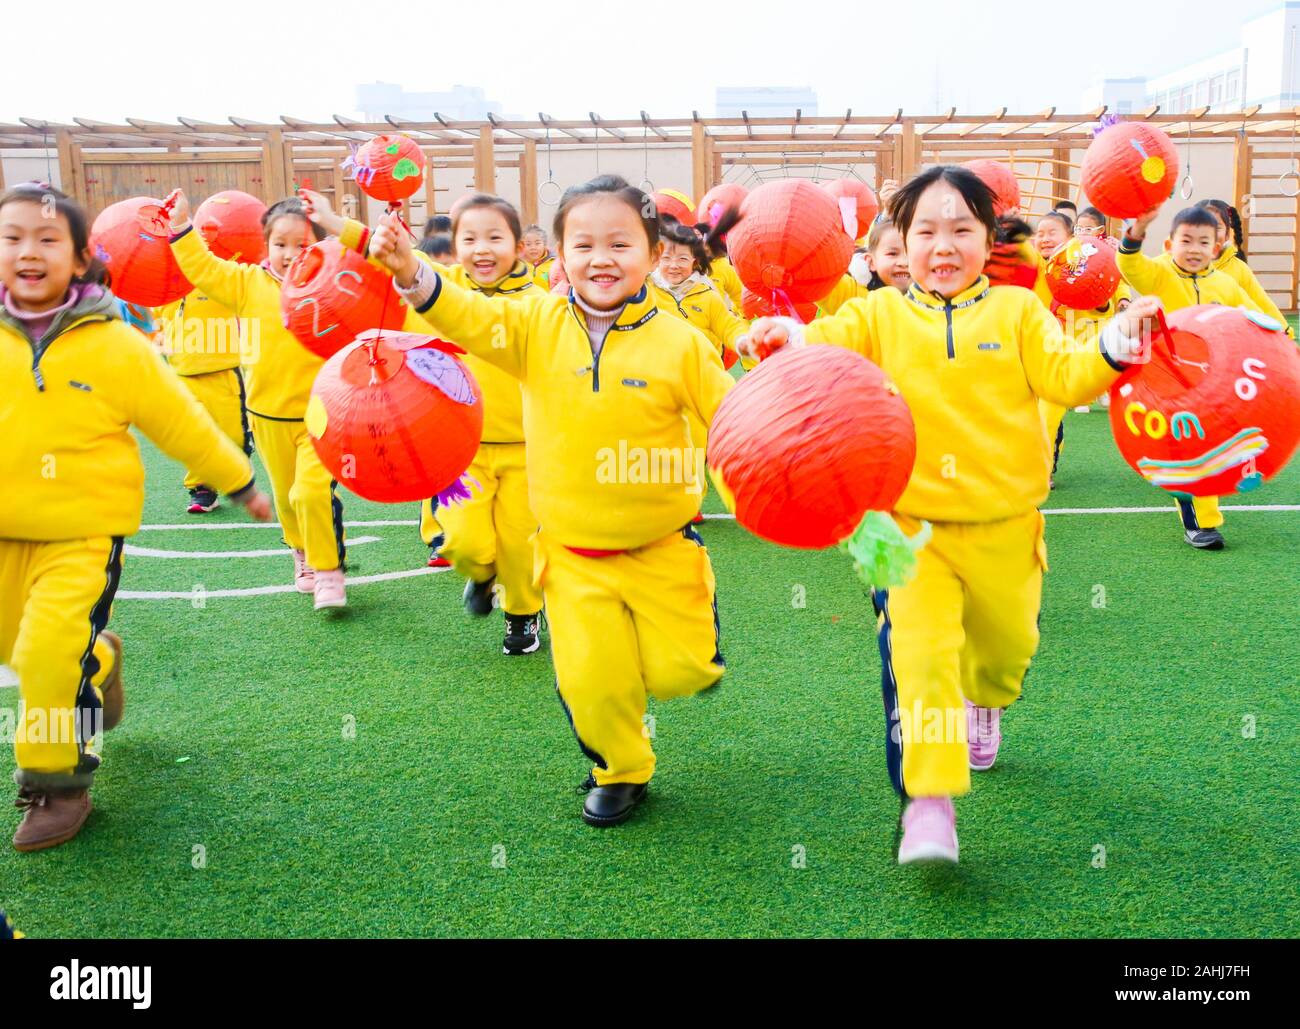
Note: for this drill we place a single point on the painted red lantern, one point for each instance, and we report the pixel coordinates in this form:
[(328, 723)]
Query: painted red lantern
[(1217, 414), (331, 295), (230, 222), (1081, 273), (754, 306), (808, 442), (388, 168), (790, 245), (133, 239), (1129, 168), (396, 417), (1001, 180), (722, 197), (857, 203), (678, 205)]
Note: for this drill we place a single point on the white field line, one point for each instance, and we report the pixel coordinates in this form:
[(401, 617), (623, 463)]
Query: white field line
[(134, 551), (262, 591)]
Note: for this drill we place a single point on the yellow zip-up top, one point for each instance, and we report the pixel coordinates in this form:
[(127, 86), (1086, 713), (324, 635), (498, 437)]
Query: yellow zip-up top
[(198, 335), (69, 464), (724, 276), (1240, 273), (605, 431), (1041, 289), (503, 399), (971, 370), (705, 308), (848, 288), (541, 272), (1176, 288)]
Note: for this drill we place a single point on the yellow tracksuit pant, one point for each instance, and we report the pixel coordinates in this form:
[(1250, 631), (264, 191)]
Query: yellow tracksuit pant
[(430, 528), (222, 396), (54, 602), (1053, 416), (491, 533), (966, 625), (639, 623), (310, 512), (1200, 513)]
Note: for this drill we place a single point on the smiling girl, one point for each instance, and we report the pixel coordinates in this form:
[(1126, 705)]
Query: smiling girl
[(609, 381), (972, 362)]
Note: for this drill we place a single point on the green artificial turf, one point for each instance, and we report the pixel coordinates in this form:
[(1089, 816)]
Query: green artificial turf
[(453, 812)]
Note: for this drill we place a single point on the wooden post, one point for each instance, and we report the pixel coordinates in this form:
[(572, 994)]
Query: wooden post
[(69, 180), (485, 172), (291, 180), (717, 165), (1241, 182), (908, 151), (273, 184), (700, 161), (430, 190), (528, 182), (1060, 175)]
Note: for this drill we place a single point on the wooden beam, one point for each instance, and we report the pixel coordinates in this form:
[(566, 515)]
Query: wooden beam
[(1241, 184), (485, 175), (528, 183), (69, 181), (273, 181), (700, 160)]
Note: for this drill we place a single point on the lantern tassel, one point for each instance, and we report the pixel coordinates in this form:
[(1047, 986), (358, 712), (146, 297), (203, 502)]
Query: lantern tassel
[(883, 555), (458, 492)]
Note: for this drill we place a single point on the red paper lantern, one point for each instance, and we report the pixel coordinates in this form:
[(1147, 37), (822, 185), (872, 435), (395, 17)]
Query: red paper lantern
[(678, 205), (754, 306), (790, 244), (230, 222), (1001, 180), (864, 208), (331, 295), (1220, 414), (1129, 168), (722, 197), (396, 416), (1081, 273), (388, 168), (133, 239), (808, 442)]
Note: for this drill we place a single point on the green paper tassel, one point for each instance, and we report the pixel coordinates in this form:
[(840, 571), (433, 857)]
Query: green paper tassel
[(883, 555)]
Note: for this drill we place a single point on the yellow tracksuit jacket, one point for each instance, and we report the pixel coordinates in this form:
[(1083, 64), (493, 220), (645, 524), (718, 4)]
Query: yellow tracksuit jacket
[(724, 276), (490, 535), (541, 272), (611, 468), (705, 308), (1178, 288), (848, 288), (1240, 273), (972, 370), (73, 487)]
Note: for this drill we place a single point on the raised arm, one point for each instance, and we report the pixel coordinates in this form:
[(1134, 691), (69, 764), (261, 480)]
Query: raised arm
[(226, 282)]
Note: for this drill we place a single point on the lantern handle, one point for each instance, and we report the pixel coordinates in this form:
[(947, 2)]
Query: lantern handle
[(1170, 367)]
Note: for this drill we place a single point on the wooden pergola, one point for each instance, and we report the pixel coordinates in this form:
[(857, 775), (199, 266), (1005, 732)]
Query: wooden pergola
[(99, 162)]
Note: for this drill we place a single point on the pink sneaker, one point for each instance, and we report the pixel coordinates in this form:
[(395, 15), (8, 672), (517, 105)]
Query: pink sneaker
[(329, 589), (983, 735), (304, 579), (929, 831)]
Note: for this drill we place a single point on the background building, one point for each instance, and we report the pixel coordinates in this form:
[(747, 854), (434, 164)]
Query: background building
[(764, 101), (460, 103)]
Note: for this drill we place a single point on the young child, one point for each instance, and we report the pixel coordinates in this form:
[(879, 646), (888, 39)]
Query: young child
[(76, 380), (488, 537), (538, 255), (438, 247), (1068, 208), (885, 257), (971, 361), (608, 379), (202, 342), (1054, 229), (1232, 260), (682, 286), (721, 273), (1182, 276), (1091, 222), (280, 381)]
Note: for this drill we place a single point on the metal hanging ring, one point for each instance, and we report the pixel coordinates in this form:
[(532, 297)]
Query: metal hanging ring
[(1288, 179), (646, 186), (1188, 186), (550, 198)]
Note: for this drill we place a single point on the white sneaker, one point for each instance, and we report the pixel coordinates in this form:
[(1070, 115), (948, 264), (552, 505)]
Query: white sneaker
[(329, 589), (929, 831), (1082, 409)]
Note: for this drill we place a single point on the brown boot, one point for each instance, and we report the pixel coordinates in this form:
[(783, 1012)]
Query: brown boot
[(114, 694), (50, 817)]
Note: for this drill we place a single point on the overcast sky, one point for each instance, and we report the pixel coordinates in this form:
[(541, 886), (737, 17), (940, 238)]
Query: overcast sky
[(263, 58)]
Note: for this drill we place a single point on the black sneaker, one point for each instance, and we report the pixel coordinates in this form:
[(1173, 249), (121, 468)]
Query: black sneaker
[(521, 634), (478, 597), (1205, 539), (202, 500)]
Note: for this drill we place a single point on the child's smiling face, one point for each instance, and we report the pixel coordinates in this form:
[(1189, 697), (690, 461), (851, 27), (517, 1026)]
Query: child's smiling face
[(485, 244), (947, 244), (38, 260), (1193, 247), (889, 260), (534, 247), (676, 263), (1050, 235), (606, 251), (290, 234)]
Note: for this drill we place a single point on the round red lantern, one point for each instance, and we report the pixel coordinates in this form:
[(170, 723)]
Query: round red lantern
[(133, 240), (722, 197), (1129, 168), (388, 168), (1001, 180), (790, 245), (808, 442), (1081, 273), (857, 203), (230, 222), (754, 306), (1215, 414), (396, 417), (677, 205), (331, 295)]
